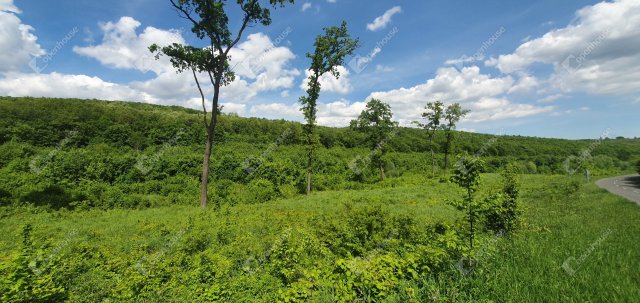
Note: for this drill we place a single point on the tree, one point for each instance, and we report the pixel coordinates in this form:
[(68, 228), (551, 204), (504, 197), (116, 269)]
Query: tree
[(638, 166), (330, 51), (467, 176), (433, 115), (375, 120), (210, 22), (452, 115)]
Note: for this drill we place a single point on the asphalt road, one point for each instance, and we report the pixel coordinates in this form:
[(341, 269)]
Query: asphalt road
[(626, 186)]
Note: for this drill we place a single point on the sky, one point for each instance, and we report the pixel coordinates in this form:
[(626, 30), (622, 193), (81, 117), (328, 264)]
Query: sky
[(548, 68)]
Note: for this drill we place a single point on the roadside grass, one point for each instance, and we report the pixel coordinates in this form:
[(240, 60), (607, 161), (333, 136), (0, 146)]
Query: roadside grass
[(594, 234)]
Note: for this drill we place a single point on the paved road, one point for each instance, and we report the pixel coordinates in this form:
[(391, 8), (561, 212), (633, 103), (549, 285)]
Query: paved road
[(626, 186)]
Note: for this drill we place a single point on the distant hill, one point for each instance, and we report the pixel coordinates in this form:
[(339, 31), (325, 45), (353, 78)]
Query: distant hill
[(89, 153)]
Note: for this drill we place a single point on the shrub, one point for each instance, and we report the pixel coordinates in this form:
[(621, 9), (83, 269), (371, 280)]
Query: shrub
[(261, 190), (502, 212)]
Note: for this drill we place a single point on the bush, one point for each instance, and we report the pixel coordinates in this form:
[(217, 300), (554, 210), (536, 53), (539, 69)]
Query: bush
[(502, 211), (261, 190)]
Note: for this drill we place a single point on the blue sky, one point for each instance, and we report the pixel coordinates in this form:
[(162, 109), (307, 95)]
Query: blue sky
[(567, 69)]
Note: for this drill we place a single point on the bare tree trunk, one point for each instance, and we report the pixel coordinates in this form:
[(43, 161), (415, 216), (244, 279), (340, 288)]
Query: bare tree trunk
[(309, 175), (210, 128), (470, 219), (446, 160), (381, 170), (204, 179), (433, 159)]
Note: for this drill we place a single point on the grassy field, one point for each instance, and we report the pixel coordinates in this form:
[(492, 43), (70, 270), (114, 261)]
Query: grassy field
[(179, 252)]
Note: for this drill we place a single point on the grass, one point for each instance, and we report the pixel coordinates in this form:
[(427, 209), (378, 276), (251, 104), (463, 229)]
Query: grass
[(591, 225)]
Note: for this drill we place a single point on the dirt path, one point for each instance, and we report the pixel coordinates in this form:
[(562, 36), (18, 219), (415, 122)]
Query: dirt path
[(626, 186)]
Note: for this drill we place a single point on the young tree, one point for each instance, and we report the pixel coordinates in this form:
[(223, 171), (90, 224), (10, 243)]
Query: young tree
[(452, 115), (467, 176), (330, 51), (210, 22), (433, 115), (376, 121)]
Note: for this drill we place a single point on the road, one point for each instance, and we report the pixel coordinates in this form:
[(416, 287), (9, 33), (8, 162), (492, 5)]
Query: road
[(626, 186)]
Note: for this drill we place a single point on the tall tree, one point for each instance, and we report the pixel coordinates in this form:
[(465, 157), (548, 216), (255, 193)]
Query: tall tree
[(375, 120), (433, 115), (210, 23), (330, 50), (452, 115)]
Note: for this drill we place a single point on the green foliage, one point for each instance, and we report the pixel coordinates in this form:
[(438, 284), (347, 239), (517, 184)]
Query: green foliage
[(31, 276), (331, 48), (376, 121), (638, 166), (433, 115), (452, 114), (261, 191), (467, 176), (502, 211)]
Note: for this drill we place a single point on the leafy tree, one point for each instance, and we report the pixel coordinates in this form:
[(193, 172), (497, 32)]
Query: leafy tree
[(638, 166), (452, 115), (210, 22), (376, 121), (330, 51), (467, 176), (433, 115)]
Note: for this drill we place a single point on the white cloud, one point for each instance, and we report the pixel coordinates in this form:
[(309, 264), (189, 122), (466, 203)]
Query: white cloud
[(305, 6), (280, 110), (481, 93), (16, 39), (339, 113), (8, 6), (329, 83), (551, 98), (382, 21), (524, 84), (68, 86), (598, 53), (234, 108), (123, 48)]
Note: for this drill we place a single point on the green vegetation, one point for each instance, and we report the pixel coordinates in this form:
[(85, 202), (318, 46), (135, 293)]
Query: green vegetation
[(376, 121), (330, 50), (99, 204), (210, 22)]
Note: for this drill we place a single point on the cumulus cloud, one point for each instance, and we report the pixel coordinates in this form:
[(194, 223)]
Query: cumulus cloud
[(305, 6), (123, 48), (382, 21), (599, 52), (481, 93), (16, 39), (329, 83), (68, 86)]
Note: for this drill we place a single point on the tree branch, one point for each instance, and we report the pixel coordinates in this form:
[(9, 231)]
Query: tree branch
[(204, 108)]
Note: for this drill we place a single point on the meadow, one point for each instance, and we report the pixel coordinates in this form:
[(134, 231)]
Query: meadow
[(99, 204)]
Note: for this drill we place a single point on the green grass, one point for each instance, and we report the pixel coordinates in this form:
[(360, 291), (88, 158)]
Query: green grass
[(526, 267)]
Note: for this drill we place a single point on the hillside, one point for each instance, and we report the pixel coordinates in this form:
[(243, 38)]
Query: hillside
[(99, 203), (113, 154)]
